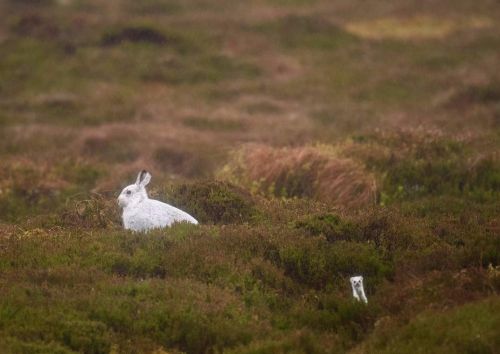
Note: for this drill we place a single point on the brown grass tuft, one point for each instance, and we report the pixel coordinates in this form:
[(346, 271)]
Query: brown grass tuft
[(312, 172)]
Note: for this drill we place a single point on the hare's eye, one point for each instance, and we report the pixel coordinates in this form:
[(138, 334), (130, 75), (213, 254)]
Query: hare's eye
[(129, 192)]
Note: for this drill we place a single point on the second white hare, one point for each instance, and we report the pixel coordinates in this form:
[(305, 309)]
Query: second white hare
[(142, 214)]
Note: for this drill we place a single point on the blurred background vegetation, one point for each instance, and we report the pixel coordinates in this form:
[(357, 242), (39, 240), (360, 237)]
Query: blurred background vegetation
[(313, 139)]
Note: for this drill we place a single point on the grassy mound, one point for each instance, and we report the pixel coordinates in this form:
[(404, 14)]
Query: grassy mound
[(302, 172), (214, 202)]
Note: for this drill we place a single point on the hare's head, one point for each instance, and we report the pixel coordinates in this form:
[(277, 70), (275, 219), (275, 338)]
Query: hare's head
[(357, 282), (136, 192)]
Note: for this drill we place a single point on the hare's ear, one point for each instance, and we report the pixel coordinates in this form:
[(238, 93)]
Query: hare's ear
[(143, 178)]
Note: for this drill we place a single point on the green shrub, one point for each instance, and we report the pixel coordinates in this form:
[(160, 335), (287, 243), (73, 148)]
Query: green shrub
[(318, 263), (20, 345), (188, 315), (414, 163), (471, 328), (301, 341), (390, 231), (353, 319), (61, 332), (85, 336), (214, 202), (331, 226), (441, 167)]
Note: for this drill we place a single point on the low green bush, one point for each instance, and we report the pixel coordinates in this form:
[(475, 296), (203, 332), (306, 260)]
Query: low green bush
[(214, 202), (331, 226), (471, 328), (318, 263)]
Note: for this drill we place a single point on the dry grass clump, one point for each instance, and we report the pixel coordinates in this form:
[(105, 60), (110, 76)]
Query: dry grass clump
[(312, 172)]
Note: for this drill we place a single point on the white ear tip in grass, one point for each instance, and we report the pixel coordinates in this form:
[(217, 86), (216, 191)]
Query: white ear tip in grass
[(358, 291)]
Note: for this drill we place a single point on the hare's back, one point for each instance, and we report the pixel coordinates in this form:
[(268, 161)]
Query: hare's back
[(166, 213)]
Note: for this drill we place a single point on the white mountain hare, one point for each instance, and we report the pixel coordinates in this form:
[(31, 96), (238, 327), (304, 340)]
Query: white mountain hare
[(357, 289), (142, 214)]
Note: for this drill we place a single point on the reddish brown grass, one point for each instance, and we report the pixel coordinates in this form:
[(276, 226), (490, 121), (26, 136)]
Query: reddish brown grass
[(313, 172)]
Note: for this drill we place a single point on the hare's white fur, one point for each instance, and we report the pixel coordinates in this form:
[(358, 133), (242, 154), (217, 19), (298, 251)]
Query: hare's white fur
[(358, 292), (142, 214)]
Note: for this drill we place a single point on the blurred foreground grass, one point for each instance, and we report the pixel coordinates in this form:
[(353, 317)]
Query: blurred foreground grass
[(313, 140)]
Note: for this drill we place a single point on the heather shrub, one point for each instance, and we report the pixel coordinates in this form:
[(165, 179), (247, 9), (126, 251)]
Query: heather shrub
[(480, 248), (18, 345), (344, 315), (449, 175), (68, 333), (85, 336), (390, 231), (301, 341), (185, 314), (471, 328), (331, 226), (318, 263), (417, 163), (214, 202)]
